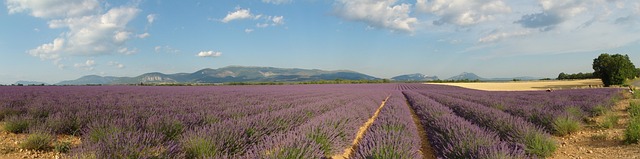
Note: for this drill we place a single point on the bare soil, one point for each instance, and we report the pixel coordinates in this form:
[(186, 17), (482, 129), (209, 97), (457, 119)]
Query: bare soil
[(529, 85), (360, 134), (425, 146), (597, 142), (10, 149)]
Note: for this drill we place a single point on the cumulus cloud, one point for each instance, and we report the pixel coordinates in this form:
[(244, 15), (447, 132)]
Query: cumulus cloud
[(54, 8), (151, 18), (143, 35), (87, 29), (165, 49), (379, 13), (209, 54), (497, 36), (237, 15), (555, 12), (116, 64), (278, 20), (277, 1), (463, 12), (88, 65)]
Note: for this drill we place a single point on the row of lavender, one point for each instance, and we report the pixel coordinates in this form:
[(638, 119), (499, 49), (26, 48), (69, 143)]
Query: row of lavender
[(509, 117), (308, 121)]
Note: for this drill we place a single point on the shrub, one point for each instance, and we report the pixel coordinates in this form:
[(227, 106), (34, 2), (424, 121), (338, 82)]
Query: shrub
[(17, 124), (598, 110), (566, 125), (610, 120), (632, 133), (539, 144), (62, 124), (199, 147), (634, 109), (62, 147), (37, 141)]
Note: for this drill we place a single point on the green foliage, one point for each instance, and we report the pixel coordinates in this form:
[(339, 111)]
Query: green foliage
[(610, 120), (62, 147), (171, 129), (539, 144), (598, 110), (98, 134), (286, 153), (613, 69), (634, 109), (563, 76), (632, 133), (385, 152), (199, 147), (37, 141), (17, 124), (566, 125)]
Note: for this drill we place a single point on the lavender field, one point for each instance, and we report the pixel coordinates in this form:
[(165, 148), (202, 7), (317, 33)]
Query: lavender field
[(300, 121)]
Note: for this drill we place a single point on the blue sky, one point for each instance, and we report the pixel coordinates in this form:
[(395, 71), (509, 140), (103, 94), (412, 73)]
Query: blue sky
[(56, 40)]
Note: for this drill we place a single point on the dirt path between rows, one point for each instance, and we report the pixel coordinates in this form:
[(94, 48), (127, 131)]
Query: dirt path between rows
[(360, 134), (596, 142), (425, 146)]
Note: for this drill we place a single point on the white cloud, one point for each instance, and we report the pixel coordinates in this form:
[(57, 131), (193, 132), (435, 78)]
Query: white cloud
[(209, 54), (54, 8), (378, 13), (497, 36), (87, 29), (116, 64), (237, 15), (248, 30), (151, 18), (88, 65), (463, 12), (262, 25), (165, 49), (143, 35), (127, 51), (277, 1), (278, 20)]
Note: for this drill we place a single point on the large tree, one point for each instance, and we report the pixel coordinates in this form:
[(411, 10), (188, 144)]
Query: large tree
[(613, 69)]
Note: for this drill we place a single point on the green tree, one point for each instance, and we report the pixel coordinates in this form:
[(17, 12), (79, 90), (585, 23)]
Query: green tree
[(613, 69)]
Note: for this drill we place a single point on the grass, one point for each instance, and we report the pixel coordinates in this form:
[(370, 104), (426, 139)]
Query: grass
[(199, 147), (62, 147), (634, 108), (16, 124), (632, 132), (37, 141), (566, 125), (539, 145), (610, 120)]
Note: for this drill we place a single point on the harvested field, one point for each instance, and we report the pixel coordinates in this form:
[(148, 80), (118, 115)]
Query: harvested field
[(528, 85)]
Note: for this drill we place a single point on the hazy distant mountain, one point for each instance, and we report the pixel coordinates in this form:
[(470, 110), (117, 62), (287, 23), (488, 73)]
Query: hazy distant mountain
[(465, 76), (472, 76), (414, 77), (227, 74), (30, 83)]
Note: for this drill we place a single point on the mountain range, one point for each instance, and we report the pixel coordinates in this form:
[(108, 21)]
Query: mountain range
[(414, 77), (226, 74), (258, 74)]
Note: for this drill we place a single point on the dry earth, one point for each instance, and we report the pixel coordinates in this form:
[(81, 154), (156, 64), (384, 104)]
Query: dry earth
[(528, 85), (593, 142), (597, 142), (10, 149)]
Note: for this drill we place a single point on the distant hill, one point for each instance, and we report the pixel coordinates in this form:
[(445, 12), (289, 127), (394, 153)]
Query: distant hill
[(465, 76), (472, 76), (226, 74), (30, 83), (414, 77)]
